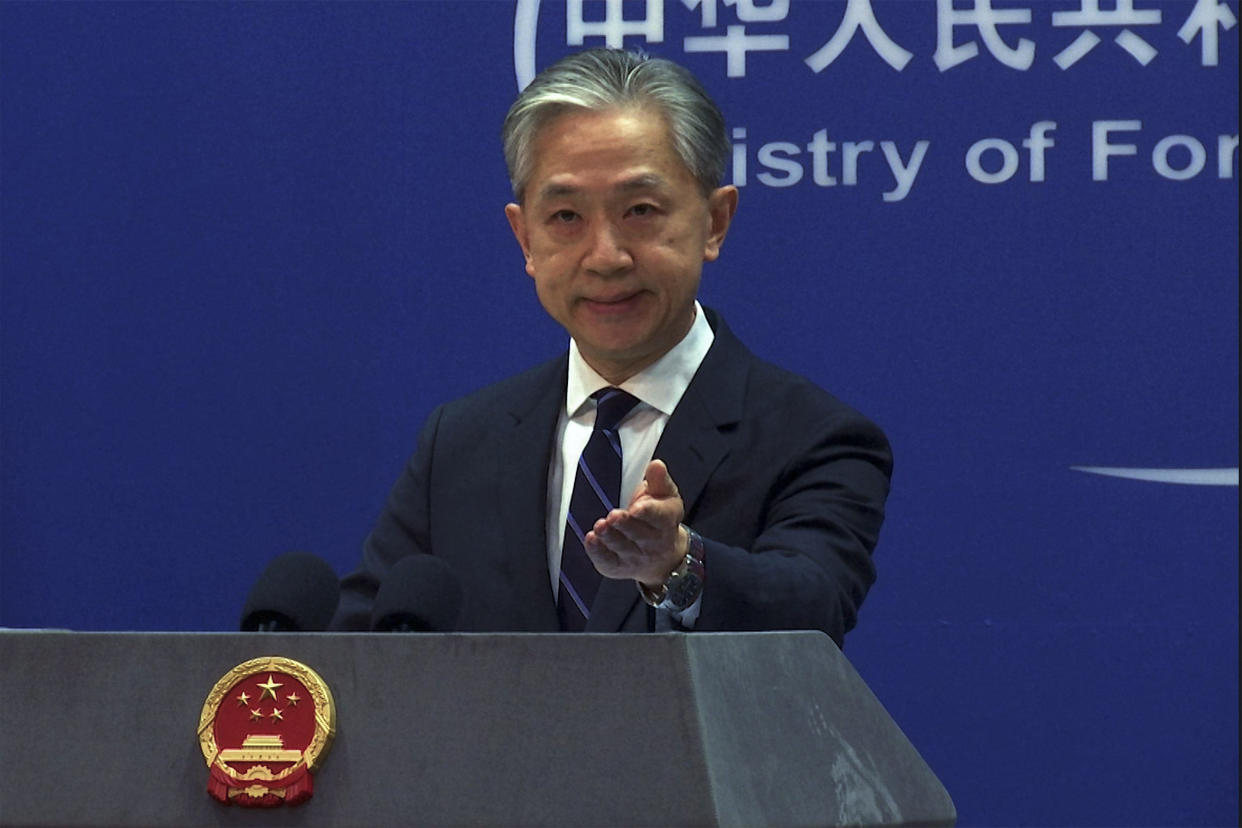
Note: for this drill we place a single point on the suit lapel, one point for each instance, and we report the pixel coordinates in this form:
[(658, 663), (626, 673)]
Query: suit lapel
[(692, 446), (694, 442), (522, 482)]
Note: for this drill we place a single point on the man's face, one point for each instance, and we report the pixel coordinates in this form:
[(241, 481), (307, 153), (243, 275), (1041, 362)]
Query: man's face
[(615, 230)]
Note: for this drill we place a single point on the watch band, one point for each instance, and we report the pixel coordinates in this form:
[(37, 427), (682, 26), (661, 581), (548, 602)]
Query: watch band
[(684, 584)]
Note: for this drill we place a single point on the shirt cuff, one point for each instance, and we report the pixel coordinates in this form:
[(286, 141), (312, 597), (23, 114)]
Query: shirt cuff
[(684, 621)]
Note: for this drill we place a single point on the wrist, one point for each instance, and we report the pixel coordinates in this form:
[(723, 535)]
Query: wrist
[(684, 584), (680, 547)]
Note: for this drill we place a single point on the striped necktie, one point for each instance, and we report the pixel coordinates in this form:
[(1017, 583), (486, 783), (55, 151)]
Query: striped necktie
[(597, 490)]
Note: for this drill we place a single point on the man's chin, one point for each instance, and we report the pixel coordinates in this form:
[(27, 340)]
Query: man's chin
[(612, 329)]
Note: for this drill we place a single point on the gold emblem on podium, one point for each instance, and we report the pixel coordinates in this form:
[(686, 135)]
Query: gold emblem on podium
[(265, 727)]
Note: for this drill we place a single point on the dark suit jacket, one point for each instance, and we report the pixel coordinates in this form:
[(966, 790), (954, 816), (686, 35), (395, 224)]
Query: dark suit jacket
[(785, 483)]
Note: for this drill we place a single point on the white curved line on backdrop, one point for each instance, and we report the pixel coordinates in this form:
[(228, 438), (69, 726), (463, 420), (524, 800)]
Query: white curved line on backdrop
[(1183, 477), (525, 24)]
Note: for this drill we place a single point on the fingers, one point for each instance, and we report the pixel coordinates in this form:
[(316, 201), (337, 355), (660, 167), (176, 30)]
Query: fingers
[(605, 559), (640, 526)]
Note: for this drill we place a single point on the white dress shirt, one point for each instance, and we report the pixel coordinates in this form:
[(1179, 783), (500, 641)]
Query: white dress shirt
[(659, 387)]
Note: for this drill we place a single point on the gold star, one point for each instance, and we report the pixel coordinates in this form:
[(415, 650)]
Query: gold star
[(293, 698), (277, 714), (242, 699), (256, 714), (269, 689)]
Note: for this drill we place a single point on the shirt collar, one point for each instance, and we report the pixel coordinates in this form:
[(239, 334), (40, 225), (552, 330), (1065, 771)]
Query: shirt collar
[(659, 385)]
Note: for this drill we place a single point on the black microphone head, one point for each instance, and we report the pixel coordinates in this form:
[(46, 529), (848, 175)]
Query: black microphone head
[(419, 594), (298, 592)]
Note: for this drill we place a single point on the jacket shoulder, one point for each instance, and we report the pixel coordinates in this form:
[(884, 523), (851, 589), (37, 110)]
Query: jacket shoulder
[(771, 388), (517, 394)]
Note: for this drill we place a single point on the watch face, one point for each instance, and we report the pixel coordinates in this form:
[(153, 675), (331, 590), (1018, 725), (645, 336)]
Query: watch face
[(683, 591)]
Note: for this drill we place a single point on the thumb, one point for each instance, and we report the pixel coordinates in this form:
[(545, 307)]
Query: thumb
[(658, 481)]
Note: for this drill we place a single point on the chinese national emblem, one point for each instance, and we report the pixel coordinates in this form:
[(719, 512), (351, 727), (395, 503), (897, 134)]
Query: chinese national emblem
[(265, 727)]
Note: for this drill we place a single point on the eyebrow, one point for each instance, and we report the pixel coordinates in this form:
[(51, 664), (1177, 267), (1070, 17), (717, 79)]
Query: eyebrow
[(642, 181), (556, 190), (645, 181)]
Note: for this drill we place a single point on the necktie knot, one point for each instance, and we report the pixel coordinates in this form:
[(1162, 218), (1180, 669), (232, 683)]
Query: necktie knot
[(612, 404)]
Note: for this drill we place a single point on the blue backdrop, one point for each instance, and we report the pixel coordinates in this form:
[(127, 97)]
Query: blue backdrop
[(248, 247)]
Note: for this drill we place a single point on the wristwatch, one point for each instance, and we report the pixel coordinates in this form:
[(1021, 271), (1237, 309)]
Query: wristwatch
[(685, 584)]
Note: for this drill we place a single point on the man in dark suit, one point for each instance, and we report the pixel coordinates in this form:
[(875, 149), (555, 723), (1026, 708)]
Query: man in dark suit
[(658, 476)]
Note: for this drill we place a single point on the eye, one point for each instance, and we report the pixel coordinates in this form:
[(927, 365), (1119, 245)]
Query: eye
[(564, 217), (642, 210)]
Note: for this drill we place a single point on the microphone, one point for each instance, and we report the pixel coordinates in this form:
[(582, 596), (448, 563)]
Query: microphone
[(298, 592), (419, 594)]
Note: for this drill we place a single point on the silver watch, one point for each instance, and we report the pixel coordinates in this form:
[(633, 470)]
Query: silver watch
[(684, 584)]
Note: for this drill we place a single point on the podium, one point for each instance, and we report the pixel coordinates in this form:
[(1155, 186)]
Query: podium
[(469, 729)]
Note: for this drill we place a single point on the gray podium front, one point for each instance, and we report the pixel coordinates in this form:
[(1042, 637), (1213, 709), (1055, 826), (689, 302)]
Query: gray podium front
[(469, 729)]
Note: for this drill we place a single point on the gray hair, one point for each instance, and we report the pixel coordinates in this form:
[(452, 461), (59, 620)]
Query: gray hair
[(598, 79)]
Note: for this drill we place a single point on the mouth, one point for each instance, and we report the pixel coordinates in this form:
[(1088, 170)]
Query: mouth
[(608, 305)]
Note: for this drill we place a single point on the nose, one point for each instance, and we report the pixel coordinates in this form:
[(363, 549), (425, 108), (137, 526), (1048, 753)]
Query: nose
[(608, 252)]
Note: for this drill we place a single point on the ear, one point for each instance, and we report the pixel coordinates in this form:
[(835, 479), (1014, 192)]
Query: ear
[(721, 205), (517, 223)]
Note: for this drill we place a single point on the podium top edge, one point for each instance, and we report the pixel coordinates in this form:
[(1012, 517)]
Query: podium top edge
[(35, 631)]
